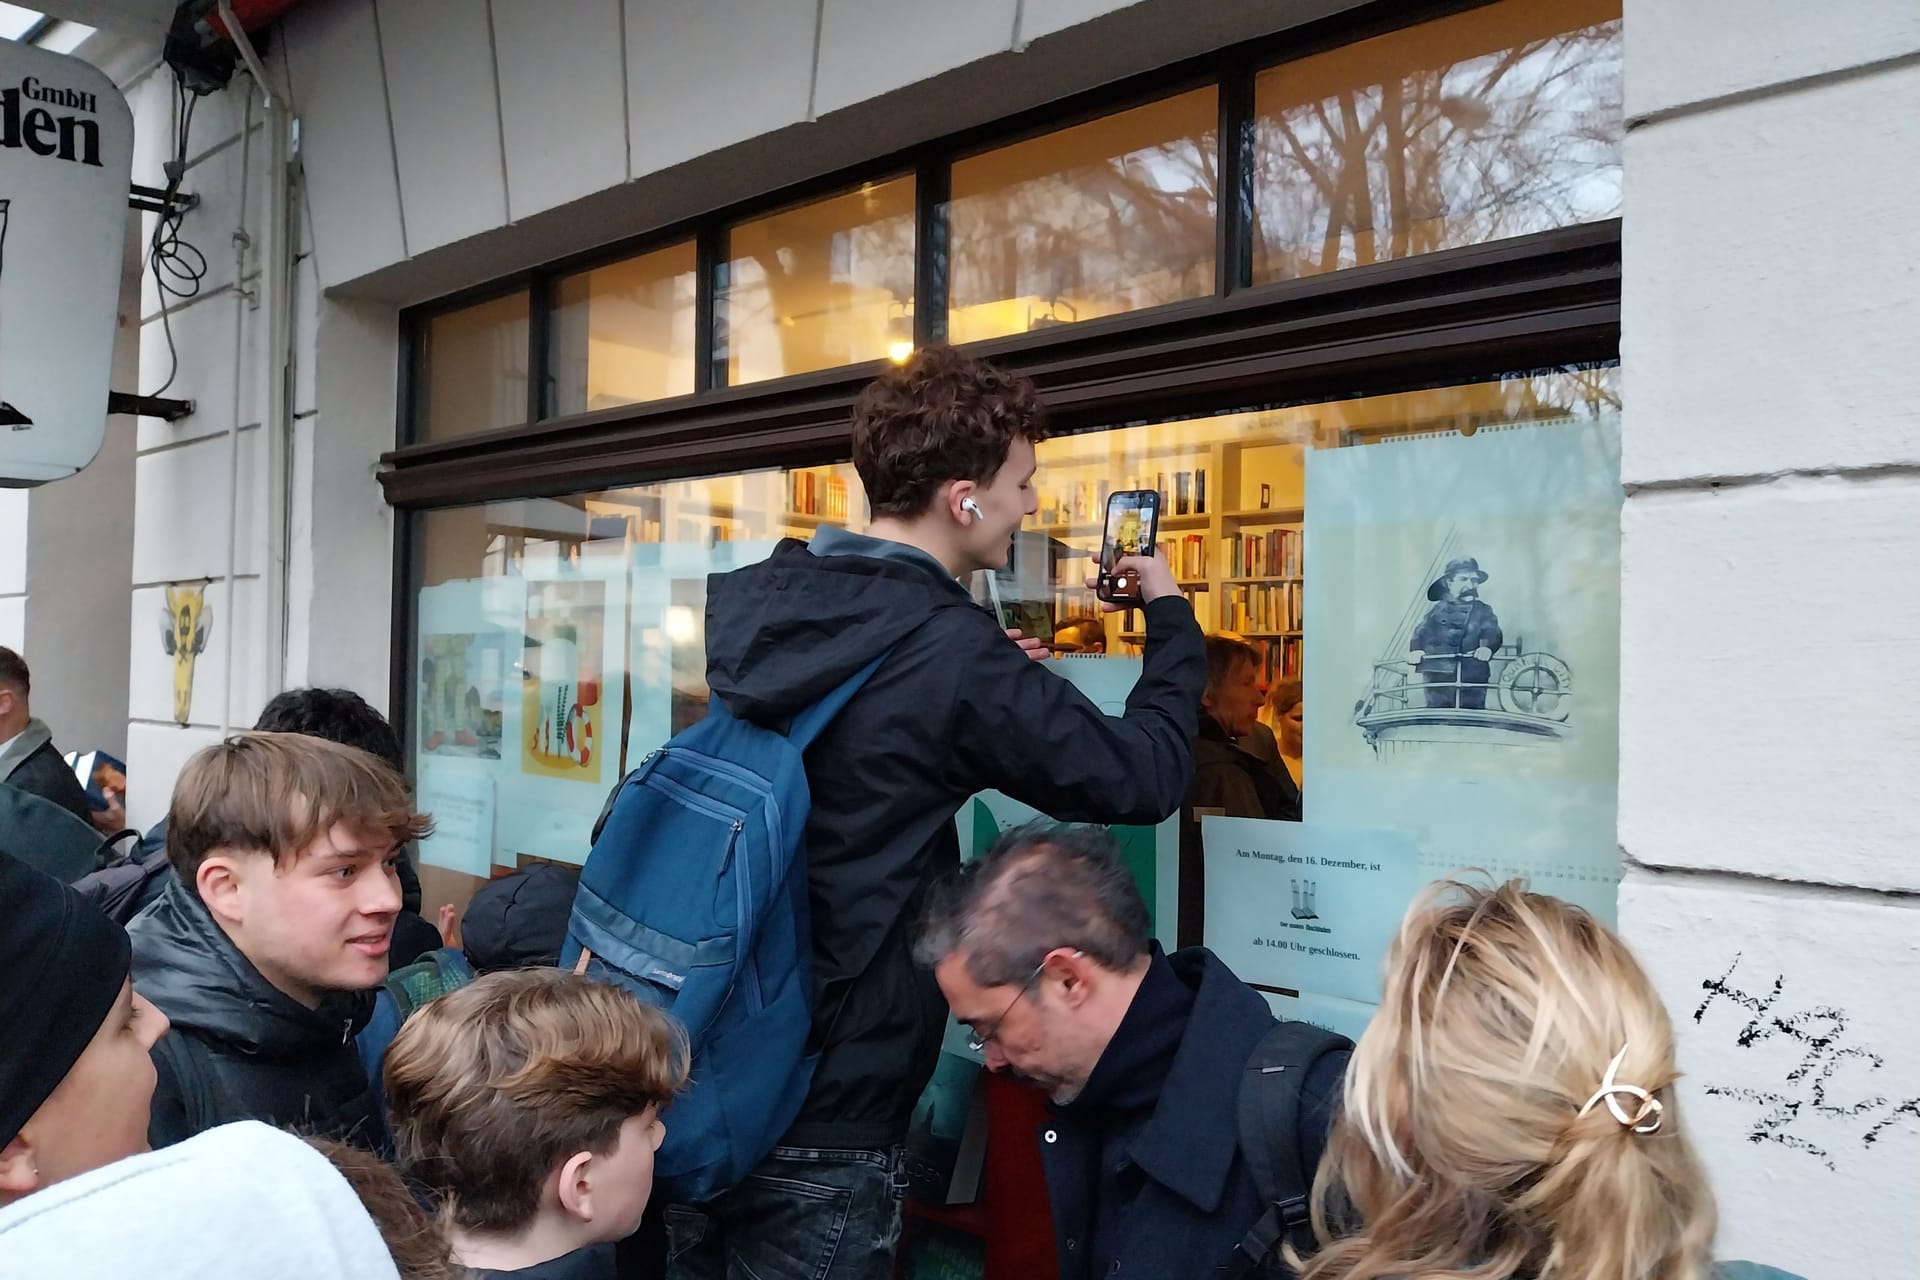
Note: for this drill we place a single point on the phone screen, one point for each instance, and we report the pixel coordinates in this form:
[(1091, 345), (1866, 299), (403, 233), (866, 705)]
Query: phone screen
[(1133, 528)]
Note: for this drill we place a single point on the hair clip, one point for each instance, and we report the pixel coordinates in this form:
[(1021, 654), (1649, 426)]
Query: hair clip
[(1609, 1091)]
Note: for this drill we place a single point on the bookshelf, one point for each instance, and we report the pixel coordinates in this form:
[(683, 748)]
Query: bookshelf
[(1231, 527)]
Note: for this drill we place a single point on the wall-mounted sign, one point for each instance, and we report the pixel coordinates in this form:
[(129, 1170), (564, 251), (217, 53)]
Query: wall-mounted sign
[(66, 157)]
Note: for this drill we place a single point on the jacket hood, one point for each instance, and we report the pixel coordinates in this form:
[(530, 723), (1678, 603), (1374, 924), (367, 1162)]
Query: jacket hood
[(183, 963), (784, 633)]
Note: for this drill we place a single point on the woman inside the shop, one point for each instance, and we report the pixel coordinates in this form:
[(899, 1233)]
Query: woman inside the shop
[(1510, 1110)]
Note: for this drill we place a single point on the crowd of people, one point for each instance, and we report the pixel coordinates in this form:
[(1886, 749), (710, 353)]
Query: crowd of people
[(278, 1067)]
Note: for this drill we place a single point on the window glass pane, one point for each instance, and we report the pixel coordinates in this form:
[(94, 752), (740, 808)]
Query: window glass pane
[(476, 368), (560, 640), (624, 333), (1497, 122), (1109, 216), (1429, 585), (819, 286)]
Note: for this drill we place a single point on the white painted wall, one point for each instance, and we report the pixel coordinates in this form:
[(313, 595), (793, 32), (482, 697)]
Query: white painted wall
[(1771, 597), (192, 475)]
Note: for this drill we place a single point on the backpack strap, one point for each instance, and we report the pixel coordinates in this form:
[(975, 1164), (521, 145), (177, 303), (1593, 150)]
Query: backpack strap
[(812, 722), (1270, 1141)]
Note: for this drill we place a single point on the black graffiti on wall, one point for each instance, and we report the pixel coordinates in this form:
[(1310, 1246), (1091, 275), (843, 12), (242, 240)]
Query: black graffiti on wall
[(1809, 1111)]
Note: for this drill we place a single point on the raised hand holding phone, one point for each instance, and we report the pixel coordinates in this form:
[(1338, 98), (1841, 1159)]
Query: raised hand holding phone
[(1151, 574), (1131, 532)]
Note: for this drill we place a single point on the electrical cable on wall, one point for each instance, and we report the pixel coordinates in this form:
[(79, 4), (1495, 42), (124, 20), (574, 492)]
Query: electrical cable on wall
[(177, 267)]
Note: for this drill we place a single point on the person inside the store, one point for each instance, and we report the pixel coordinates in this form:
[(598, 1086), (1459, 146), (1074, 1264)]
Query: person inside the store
[(944, 445), (1279, 735), (1230, 779), (1043, 949)]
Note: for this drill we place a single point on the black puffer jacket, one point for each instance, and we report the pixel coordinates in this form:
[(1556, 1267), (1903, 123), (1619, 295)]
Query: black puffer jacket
[(240, 1048), (956, 709)]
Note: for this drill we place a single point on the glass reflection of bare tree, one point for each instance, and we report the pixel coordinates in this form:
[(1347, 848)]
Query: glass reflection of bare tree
[(1493, 143)]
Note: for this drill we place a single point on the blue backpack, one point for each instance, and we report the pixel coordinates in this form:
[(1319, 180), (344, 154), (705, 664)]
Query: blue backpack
[(695, 899)]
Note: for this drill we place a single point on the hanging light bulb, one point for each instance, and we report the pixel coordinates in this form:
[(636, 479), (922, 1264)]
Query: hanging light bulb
[(900, 336)]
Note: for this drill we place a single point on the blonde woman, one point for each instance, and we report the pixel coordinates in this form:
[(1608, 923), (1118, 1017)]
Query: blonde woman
[(1510, 1112)]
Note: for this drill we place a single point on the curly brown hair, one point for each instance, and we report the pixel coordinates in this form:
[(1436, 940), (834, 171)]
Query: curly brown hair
[(943, 415)]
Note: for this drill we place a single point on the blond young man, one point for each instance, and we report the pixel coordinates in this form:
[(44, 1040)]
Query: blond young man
[(529, 1101), (265, 948)]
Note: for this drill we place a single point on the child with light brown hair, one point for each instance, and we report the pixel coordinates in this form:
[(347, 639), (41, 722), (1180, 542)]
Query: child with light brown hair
[(529, 1102), (1510, 1110)]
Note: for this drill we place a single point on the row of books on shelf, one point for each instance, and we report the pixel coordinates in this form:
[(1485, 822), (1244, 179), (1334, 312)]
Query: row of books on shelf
[(1264, 607), (1279, 659), (1182, 493), (1187, 556), (811, 493), (1275, 554)]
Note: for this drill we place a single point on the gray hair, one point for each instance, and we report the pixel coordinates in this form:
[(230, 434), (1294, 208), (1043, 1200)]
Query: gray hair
[(1041, 886)]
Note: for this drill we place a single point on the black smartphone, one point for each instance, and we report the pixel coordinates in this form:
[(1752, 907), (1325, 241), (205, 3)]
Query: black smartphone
[(1133, 529)]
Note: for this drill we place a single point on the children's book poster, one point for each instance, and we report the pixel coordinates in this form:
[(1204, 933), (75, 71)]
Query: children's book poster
[(564, 679), (571, 706)]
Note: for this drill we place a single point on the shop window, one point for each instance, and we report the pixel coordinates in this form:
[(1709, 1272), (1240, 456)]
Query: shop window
[(559, 640), (623, 333), (475, 362), (819, 286), (1102, 218), (1497, 122)]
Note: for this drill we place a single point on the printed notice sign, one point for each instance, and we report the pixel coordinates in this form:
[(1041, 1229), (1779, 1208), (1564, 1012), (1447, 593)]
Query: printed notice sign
[(1306, 907), (459, 798)]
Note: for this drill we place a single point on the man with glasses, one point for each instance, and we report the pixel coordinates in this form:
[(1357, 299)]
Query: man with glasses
[(1043, 951)]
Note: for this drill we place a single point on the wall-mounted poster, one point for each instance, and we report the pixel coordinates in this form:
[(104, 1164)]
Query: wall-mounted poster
[(571, 706), (1463, 660), (470, 639), (462, 694), (563, 710)]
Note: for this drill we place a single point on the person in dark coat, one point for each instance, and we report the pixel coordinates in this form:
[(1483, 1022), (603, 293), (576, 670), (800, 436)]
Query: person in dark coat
[(1042, 948), (1453, 645), (944, 446), (265, 948), (1229, 778), (343, 716), (28, 758)]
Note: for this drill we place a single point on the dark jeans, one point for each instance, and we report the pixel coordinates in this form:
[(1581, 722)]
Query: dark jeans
[(803, 1214)]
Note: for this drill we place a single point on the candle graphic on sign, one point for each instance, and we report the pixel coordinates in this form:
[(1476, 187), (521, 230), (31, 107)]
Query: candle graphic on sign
[(9, 416)]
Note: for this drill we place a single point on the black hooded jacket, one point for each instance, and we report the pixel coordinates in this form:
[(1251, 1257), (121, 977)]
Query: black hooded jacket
[(242, 1049), (955, 709)]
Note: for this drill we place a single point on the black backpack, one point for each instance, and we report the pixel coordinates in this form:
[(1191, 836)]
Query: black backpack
[(124, 884), (1270, 1133)]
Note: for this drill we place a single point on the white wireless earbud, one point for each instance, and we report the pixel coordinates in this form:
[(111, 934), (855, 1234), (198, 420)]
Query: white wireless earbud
[(968, 504)]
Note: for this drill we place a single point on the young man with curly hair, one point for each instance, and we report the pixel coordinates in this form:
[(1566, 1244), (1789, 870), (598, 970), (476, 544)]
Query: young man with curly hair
[(945, 449)]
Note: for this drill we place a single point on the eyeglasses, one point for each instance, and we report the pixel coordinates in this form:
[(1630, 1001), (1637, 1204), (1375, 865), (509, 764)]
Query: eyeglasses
[(979, 1040)]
